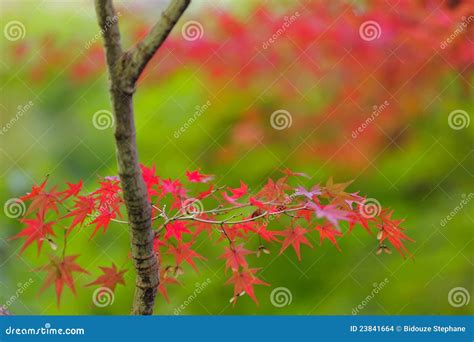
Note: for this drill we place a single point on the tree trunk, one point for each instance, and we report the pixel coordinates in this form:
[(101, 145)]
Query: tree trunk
[(124, 69)]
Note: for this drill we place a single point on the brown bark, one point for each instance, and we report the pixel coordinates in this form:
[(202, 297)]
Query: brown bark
[(124, 69)]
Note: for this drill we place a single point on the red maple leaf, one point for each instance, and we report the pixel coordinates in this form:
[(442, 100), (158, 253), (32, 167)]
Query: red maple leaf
[(176, 229), (151, 179), (41, 200), (84, 206), (108, 193), (256, 203), (327, 231), (295, 237), (197, 177), (274, 191), (356, 217), (236, 193), (267, 235), (73, 190), (390, 229), (235, 257), (243, 283), (183, 252), (36, 230), (110, 278), (173, 187), (35, 191), (103, 220), (60, 273)]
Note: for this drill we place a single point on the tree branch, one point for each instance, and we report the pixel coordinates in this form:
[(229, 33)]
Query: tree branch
[(124, 69), (108, 23), (140, 54)]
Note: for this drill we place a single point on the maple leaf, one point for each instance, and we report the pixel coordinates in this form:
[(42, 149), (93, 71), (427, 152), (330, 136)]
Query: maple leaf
[(197, 177), (309, 194), (256, 203), (84, 206), (60, 273), (183, 252), (73, 190), (103, 220), (356, 217), (41, 200), (306, 214), (267, 235), (295, 237), (330, 212), (245, 227), (176, 229), (326, 231), (333, 190), (236, 193), (108, 193), (173, 187), (35, 191), (235, 257), (151, 179), (243, 283), (274, 191), (110, 278), (233, 232), (36, 230), (390, 229)]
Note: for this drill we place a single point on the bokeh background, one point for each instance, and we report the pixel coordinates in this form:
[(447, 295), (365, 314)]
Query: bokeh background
[(244, 60)]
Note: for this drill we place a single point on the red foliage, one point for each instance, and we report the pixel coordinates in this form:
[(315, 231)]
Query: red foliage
[(110, 277), (296, 214), (60, 273)]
